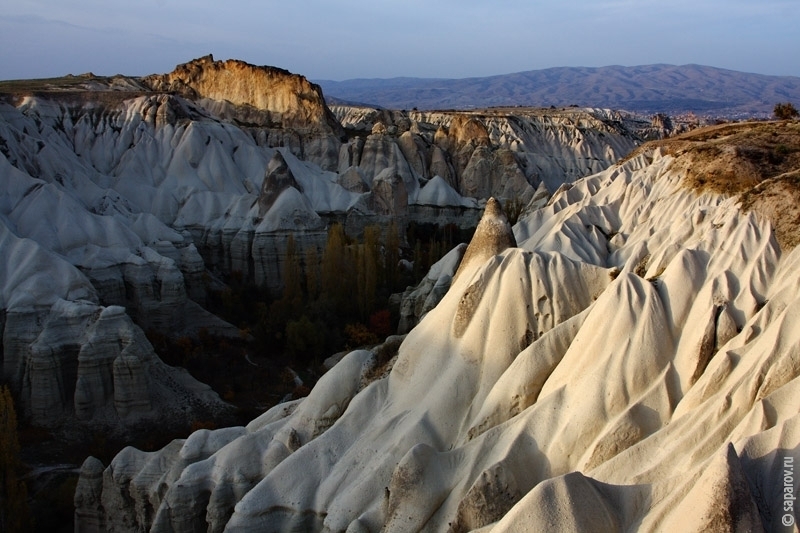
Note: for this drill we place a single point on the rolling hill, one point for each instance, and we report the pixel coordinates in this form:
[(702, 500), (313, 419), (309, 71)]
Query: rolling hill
[(644, 89)]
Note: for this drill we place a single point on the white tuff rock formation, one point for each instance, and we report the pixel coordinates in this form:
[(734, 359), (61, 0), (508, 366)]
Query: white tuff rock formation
[(632, 364), (503, 153), (68, 349)]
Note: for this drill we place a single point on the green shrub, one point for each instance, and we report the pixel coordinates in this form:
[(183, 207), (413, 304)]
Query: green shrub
[(785, 111), (304, 338)]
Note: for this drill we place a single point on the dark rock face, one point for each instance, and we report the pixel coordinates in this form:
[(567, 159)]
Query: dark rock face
[(279, 177), (81, 363)]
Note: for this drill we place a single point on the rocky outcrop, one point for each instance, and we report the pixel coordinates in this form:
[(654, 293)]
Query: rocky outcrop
[(78, 264), (279, 177), (549, 146), (291, 111), (88, 493), (415, 152), (77, 362), (381, 157), (417, 301), (494, 172), (505, 154), (389, 194), (294, 102), (354, 180)]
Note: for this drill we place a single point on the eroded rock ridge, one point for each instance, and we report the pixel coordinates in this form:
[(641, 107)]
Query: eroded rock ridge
[(625, 361)]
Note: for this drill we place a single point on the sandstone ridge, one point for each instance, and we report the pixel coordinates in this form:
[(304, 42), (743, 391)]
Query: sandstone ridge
[(296, 102)]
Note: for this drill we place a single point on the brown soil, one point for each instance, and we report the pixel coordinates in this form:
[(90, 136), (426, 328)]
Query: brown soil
[(733, 158), (757, 161), (779, 200)]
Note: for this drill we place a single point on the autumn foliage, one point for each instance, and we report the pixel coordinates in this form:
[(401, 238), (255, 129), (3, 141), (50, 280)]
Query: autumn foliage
[(14, 514), (334, 297)]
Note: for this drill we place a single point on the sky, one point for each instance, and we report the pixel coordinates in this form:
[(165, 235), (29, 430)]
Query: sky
[(344, 39)]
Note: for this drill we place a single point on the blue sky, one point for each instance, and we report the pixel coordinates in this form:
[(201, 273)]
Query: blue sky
[(341, 39)]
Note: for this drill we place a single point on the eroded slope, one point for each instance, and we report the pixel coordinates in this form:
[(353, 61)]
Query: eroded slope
[(631, 365)]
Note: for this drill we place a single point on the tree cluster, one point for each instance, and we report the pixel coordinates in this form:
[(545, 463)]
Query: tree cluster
[(332, 301), (333, 298), (14, 513), (785, 111)]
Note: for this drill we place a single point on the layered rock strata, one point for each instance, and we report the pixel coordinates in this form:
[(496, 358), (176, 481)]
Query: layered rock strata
[(500, 153)]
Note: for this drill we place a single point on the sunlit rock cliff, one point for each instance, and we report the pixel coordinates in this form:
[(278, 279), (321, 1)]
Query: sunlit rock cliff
[(284, 102)]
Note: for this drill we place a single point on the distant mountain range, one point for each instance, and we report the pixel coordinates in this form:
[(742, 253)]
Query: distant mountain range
[(644, 89)]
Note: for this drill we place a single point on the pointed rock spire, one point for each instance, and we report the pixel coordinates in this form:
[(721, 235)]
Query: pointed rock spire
[(492, 236), (278, 178)]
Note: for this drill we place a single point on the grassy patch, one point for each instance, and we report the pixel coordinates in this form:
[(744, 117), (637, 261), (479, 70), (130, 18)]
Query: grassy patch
[(778, 199), (757, 161), (80, 90), (68, 82), (733, 158)]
